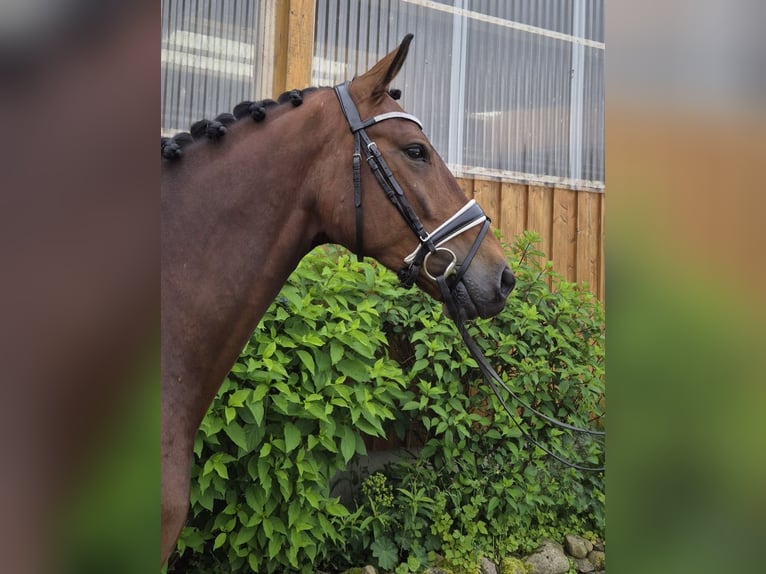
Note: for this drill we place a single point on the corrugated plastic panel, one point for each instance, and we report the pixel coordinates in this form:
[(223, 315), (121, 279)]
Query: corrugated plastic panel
[(511, 89), (210, 58)]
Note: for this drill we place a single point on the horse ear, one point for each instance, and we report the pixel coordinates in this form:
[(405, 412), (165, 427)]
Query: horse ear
[(374, 83)]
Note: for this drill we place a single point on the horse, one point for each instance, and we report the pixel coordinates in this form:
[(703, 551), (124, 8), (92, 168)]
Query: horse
[(245, 196)]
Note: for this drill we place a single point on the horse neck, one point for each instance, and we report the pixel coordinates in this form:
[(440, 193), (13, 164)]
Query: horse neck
[(236, 222)]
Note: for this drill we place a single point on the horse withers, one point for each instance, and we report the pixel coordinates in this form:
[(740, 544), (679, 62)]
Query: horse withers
[(253, 192)]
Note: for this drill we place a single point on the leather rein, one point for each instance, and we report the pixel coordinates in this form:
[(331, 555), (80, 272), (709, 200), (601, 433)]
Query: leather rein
[(469, 216)]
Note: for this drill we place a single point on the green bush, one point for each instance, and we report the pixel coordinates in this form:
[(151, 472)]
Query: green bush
[(344, 351)]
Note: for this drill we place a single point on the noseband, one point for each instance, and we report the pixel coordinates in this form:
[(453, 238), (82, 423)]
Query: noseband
[(466, 218)]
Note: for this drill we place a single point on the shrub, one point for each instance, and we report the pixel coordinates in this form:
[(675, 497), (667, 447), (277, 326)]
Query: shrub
[(344, 351)]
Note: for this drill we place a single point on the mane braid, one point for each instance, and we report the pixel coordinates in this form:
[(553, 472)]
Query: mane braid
[(214, 130), (172, 148)]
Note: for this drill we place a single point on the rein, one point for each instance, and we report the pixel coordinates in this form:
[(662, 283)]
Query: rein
[(468, 217)]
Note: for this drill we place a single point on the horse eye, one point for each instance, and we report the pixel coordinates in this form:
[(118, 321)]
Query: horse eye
[(416, 152)]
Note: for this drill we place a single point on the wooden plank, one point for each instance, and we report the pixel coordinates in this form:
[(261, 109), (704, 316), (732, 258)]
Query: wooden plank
[(487, 194), (540, 215), (564, 231), (513, 211), (293, 42), (278, 12), (602, 249), (466, 185), (300, 44), (588, 235)]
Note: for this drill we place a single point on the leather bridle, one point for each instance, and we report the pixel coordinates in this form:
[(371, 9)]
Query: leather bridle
[(469, 216)]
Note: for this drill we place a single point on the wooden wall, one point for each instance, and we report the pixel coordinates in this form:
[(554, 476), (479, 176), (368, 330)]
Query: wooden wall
[(571, 224)]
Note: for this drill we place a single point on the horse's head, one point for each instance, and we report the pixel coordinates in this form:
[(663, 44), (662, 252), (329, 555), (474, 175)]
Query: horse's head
[(407, 210)]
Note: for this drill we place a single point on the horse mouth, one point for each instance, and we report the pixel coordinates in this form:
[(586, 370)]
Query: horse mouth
[(469, 308)]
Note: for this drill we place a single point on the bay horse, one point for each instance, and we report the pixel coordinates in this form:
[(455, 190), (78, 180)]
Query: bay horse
[(255, 191)]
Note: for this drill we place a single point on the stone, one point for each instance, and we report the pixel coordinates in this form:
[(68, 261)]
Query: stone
[(487, 566), (598, 545), (583, 565), (576, 546), (548, 559), (598, 559)]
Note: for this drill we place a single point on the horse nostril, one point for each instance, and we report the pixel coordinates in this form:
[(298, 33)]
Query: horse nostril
[(507, 282)]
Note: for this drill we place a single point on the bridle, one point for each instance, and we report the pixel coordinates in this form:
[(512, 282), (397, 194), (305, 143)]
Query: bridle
[(469, 216)]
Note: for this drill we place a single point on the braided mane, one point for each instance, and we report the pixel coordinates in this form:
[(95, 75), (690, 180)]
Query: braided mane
[(172, 148)]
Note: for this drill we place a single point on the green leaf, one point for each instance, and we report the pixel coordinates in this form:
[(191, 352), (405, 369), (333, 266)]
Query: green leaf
[(307, 360), (230, 414), (336, 352), (238, 398), (354, 369), (292, 437), (336, 509), (317, 411), (347, 443), (419, 366), (244, 535), (220, 468), (264, 474), (259, 392), (386, 552), (257, 410), (237, 435), (275, 546), (313, 498), (219, 540)]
